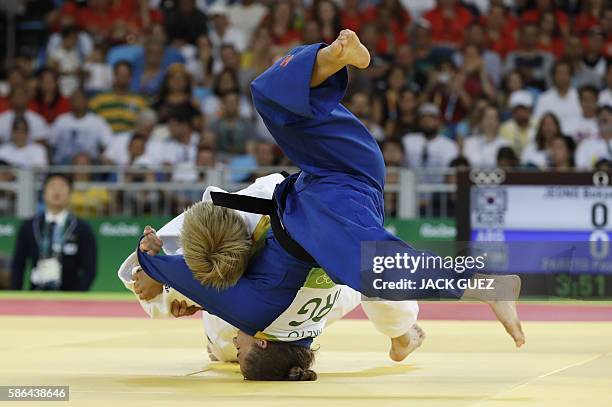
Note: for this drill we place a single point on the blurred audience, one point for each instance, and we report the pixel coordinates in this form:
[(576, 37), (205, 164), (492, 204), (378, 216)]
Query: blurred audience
[(48, 101), (21, 151), (79, 132), (18, 106), (429, 148), (520, 129), (453, 82), (119, 106), (537, 152), (481, 150), (561, 99)]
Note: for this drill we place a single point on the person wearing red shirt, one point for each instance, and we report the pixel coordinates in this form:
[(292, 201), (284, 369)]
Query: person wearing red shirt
[(400, 17), (544, 6), (96, 18), (448, 21), (280, 23), (550, 35), (606, 24), (351, 15), (327, 14), (389, 39), (48, 102), (501, 29), (589, 16)]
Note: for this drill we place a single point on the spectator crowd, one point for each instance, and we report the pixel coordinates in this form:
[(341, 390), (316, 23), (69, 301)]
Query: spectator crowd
[(151, 83)]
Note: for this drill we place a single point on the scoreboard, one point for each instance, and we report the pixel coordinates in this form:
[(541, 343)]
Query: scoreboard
[(553, 229)]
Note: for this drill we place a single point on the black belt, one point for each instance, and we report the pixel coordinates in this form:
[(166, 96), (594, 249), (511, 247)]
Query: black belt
[(269, 207)]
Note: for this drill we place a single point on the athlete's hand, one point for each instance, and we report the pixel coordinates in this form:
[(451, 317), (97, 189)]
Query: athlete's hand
[(150, 243), (180, 309), (145, 287)]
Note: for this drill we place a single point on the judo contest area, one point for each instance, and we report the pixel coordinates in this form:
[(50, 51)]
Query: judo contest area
[(110, 354)]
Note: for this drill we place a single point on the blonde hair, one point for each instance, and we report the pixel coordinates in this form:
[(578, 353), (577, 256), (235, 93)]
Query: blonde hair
[(216, 244)]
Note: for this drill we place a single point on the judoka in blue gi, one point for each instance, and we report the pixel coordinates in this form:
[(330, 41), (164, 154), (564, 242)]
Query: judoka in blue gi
[(331, 213)]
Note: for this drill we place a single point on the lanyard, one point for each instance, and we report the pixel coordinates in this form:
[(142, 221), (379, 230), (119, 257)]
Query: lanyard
[(52, 239)]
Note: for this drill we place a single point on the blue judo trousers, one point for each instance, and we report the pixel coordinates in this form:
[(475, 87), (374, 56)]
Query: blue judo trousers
[(331, 208), (334, 209)]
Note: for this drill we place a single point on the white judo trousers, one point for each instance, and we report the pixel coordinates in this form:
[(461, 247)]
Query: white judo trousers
[(391, 318)]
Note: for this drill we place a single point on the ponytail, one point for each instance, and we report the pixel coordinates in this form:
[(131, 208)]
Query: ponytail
[(297, 374)]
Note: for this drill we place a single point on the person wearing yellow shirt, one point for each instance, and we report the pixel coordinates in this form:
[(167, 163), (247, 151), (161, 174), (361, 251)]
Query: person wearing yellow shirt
[(519, 130)]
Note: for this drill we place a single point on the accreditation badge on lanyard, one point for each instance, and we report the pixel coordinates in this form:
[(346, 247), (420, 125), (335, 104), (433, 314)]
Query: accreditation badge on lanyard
[(306, 316), (48, 271)]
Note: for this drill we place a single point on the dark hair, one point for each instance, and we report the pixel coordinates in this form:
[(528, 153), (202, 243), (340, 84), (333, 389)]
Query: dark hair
[(395, 141), (556, 29), (558, 63), (137, 137), (125, 63), (18, 70), (337, 22), (39, 95), (507, 153), (507, 77), (280, 361), (164, 90), (539, 138), (80, 91), (20, 119), (390, 72), (69, 30), (181, 114), (603, 165), (209, 65), (459, 161), (227, 45), (63, 176), (570, 145), (217, 81), (588, 88)]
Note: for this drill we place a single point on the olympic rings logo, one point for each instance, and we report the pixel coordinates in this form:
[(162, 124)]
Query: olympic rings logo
[(323, 279), (493, 177), (601, 179)]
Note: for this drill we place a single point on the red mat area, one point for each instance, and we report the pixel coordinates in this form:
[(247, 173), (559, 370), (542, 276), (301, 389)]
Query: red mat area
[(429, 310)]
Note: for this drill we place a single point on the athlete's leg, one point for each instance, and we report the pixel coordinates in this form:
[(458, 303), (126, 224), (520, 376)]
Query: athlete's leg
[(347, 240), (397, 321), (394, 319), (314, 130)]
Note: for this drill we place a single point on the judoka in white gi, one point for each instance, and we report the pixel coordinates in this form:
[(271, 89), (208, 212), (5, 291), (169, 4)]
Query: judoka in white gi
[(396, 320)]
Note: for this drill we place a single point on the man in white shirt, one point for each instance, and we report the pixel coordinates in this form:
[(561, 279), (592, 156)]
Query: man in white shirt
[(117, 152), (596, 148), (222, 32), (37, 125), (79, 131), (584, 125), (429, 149), (180, 150), (246, 16), (562, 99)]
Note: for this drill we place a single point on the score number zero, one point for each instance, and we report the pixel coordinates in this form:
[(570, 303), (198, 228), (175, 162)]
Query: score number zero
[(599, 239)]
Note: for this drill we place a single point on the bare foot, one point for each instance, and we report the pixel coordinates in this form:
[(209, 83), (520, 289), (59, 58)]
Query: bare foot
[(404, 345), (502, 301), (349, 50), (505, 310)]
